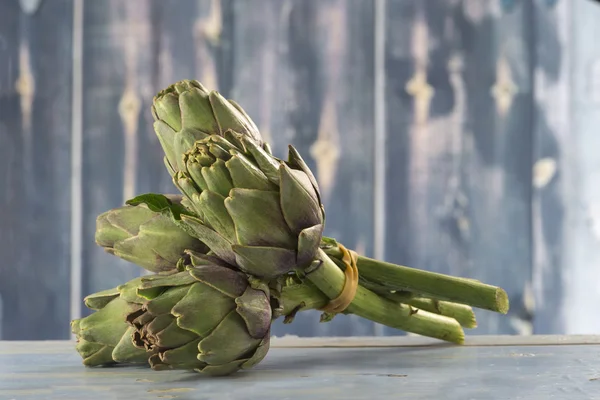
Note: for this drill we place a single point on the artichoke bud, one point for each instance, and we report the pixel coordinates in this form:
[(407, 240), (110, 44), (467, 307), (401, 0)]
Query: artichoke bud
[(186, 112), (144, 237), (206, 318), (263, 213)]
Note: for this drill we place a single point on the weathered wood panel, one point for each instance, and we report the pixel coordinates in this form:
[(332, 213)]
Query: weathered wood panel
[(582, 269), (567, 168), (35, 85), (118, 85), (188, 45), (459, 145), (304, 72), (550, 164), (490, 138), (307, 80)]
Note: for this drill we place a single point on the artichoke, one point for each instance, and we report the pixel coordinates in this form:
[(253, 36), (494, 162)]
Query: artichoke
[(147, 238), (186, 111), (104, 337), (224, 253), (253, 210), (207, 318)]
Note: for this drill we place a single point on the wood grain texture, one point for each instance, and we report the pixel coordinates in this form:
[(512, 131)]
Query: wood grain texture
[(118, 88), (35, 82), (303, 70), (492, 113), (567, 168), (186, 45), (551, 178), (388, 368), (582, 271), (459, 145)]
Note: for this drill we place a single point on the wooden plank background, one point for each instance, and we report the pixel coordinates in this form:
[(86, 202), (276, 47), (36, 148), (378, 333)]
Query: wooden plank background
[(487, 113), (35, 115)]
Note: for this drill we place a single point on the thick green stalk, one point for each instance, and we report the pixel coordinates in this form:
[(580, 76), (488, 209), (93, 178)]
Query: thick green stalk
[(329, 278), (430, 284), (302, 296), (305, 296), (460, 312)]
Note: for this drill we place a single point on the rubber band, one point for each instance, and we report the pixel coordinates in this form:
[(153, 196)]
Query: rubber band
[(344, 299)]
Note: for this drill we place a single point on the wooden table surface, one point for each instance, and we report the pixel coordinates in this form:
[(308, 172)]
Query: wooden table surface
[(487, 367)]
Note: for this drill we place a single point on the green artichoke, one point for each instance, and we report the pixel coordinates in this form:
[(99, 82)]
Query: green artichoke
[(254, 211), (105, 337), (186, 111), (207, 318), (147, 238)]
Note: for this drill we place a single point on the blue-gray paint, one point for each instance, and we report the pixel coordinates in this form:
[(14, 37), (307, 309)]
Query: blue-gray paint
[(54, 370), (305, 71), (459, 191), (35, 172)]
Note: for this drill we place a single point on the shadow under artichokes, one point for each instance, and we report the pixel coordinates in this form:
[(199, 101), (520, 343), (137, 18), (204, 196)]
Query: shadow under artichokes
[(207, 318)]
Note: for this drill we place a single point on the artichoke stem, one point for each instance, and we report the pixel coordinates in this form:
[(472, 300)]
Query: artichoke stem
[(430, 284), (301, 296), (329, 278), (462, 313)]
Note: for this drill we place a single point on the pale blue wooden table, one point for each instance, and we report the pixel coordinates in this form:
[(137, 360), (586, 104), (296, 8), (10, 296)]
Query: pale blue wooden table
[(538, 367)]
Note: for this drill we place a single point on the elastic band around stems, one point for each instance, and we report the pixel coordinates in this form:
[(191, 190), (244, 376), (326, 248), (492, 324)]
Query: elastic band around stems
[(344, 299)]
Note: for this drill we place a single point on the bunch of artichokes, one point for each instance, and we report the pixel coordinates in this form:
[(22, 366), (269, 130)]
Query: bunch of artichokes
[(241, 245)]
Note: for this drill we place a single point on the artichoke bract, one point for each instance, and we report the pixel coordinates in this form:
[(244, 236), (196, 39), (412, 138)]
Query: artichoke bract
[(147, 238), (253, 210), (186, 112), (207, 318), (105, 337)]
